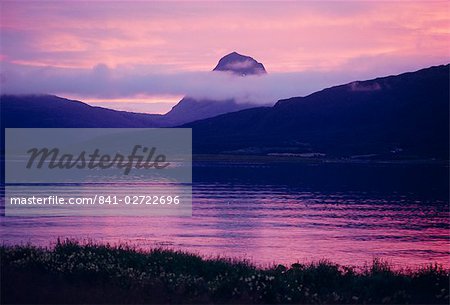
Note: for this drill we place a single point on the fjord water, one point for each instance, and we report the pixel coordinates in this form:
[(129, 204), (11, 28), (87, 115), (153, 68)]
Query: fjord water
[(280, 212)]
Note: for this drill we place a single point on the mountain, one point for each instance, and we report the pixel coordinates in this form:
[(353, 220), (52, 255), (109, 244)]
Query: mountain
[(240, 64), (190, 109), (403, 116), (52, 111)]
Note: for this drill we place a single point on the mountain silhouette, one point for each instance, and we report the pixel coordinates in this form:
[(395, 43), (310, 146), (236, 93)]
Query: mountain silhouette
[(28, 111), (240, 65), (395, 117), (53, 111), (404, 116), (190, 109)]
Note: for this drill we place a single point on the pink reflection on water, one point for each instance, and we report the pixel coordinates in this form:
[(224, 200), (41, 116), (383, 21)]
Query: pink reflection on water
[(268, 225)]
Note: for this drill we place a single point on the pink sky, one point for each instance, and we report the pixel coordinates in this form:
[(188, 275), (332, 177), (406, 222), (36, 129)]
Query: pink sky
[(336, 41)]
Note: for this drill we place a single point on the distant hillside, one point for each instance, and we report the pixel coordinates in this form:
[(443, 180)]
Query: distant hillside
[(404, 116), (52, 111), (190, 109)]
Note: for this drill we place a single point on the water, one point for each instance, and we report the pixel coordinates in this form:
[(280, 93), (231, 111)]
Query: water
[(284, 213)]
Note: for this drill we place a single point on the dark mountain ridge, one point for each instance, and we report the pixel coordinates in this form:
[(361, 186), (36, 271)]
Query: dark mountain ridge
[(49, 111), (53, 111), (395, 117), (404, 116)]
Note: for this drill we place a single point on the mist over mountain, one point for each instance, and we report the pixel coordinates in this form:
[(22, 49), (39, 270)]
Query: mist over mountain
[(191, 109), (395, 117), (240, 64), (404, 116)]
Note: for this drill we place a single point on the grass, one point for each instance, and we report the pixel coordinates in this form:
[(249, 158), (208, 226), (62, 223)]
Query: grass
[(90, 273)]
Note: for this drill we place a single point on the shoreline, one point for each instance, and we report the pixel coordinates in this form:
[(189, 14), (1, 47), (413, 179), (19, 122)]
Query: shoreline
[(311, 160), (95, 273), (249, 260)]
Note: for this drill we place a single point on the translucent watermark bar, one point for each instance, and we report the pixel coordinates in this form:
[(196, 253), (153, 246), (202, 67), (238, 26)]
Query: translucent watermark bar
[(95, 172)]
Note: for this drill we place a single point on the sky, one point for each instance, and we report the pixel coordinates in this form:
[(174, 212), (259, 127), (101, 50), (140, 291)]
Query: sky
[(145, 56)]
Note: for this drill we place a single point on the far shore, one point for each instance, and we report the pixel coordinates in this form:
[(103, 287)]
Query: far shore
[(298, 158)]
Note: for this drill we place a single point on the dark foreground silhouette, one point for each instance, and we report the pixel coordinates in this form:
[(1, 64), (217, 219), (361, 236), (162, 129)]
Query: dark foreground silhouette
[(88, 273)]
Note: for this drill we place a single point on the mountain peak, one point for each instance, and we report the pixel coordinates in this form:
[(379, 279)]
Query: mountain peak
[(240, 64)]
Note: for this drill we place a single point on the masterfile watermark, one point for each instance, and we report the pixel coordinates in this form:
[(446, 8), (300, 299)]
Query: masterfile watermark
[(140, 157), (105, 171), (71, 155)]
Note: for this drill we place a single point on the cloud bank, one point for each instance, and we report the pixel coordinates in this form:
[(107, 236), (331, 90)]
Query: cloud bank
[(103, 82)]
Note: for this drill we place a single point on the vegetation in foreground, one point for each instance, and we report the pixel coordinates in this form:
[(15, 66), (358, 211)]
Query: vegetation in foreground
[(90, 273)]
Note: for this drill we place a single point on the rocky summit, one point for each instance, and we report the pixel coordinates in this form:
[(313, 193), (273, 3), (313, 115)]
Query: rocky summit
[(240, 65)]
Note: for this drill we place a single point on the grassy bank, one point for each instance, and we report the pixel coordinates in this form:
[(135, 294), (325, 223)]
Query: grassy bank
[(75, 273)]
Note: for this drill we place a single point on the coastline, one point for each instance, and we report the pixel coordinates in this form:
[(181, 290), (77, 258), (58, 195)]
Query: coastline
[(91, 273), (245, 158)]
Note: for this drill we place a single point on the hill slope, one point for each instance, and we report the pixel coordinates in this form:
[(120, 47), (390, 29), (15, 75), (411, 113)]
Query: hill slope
[(404, 116), (52, 111)]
